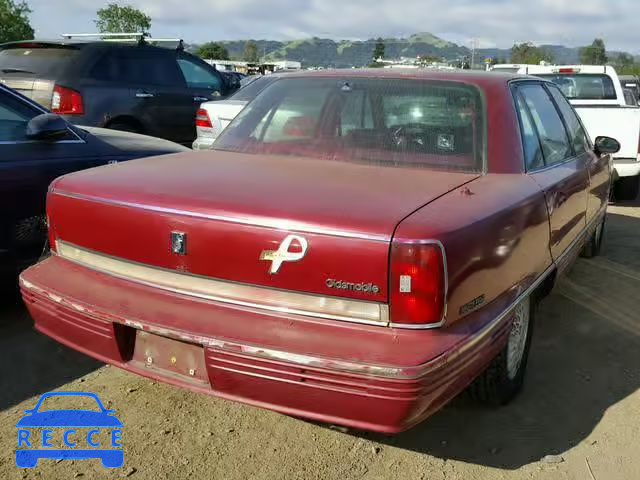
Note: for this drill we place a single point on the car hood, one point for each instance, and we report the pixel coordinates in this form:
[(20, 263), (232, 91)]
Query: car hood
[(132, 143), (69, 418), (297, 193)]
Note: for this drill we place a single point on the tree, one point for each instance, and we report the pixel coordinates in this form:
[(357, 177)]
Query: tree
[(251, 54), (379, 50), (594, 54), (14, 21), (115, 19), (527, 53), (213, 51)]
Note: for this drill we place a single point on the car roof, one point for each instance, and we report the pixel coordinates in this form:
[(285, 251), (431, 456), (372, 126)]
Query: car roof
[(466, 76), (80, 44)]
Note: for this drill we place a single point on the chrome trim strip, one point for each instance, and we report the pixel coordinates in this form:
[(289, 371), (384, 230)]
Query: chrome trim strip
[(383, 371), (264, 298), (59, 142), (268, 223)]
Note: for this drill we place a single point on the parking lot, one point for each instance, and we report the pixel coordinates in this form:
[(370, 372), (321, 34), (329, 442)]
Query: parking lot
[(576, 418)]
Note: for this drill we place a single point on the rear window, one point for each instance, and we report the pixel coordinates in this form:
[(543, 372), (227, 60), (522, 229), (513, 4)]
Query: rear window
[(584, 86), (36, 60), (249, 91), (375, 121)]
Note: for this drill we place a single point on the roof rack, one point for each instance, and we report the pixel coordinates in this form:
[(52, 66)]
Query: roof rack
[(140, 38)]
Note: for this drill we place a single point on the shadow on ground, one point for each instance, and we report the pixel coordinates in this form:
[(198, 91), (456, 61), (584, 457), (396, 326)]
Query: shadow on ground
[(585, 359), (30, 363)]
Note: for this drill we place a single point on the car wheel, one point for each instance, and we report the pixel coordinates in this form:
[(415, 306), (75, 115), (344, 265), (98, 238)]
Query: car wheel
[(626, 189), (594, 244), (504, 377), (124, 127)]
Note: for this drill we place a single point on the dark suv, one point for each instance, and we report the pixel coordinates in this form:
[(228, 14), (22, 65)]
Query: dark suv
[(135, 87)]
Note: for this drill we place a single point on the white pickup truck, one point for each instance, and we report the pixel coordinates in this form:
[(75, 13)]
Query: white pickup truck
[(598, 97)]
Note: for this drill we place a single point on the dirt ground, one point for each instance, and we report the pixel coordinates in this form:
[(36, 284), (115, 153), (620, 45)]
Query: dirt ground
[(577, 418)]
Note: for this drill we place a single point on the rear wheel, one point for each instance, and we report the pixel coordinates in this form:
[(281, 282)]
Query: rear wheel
[(626, 188), (504, 377)]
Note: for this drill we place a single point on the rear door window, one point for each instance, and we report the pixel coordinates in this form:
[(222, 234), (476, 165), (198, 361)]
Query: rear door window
[(579, 137), (36, 59), (533, 157), (138, 66), (551, 130)]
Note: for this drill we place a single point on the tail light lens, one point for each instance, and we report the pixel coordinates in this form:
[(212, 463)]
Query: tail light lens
[(66, 101), (202, 119), (418, 284)]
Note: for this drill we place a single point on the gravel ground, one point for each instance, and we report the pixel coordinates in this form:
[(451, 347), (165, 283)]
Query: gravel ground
[(577, 418)]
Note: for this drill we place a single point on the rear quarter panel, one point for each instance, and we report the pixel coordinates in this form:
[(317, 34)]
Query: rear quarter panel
[(495, 232)]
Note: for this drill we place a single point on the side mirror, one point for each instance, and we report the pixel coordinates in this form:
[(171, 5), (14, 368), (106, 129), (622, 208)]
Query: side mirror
[(48, 127), (606, 145)]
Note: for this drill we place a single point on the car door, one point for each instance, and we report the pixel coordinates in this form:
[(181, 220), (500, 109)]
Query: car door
[(598, 166), (552, 161), (156, 89), (27, 168)]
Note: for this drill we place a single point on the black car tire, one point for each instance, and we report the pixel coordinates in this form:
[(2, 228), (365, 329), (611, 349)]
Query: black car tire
[(626, 189), (594, 245), (503, 379), (124, 127)]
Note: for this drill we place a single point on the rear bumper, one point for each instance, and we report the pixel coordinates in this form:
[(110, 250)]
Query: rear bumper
[(203, 143), (626, 167), (313, 382)]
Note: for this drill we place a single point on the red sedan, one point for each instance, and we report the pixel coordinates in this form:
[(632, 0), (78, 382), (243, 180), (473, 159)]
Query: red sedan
[(360, 247)]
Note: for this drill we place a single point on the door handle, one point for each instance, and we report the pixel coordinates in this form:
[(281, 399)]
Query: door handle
[(201, 99), (143, 94)]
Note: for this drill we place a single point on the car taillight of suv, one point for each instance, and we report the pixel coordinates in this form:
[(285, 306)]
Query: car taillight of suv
[(66, 101)]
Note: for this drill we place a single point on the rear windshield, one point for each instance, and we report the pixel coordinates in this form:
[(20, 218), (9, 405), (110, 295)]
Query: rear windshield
[(374, 121), (36, 60), (249, 91), (584, 86)]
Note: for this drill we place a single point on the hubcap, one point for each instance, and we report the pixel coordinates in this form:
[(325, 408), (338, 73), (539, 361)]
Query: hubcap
[(518, 338)]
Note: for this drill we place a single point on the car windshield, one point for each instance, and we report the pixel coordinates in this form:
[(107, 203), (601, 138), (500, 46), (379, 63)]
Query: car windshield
[(584, 86), (36, 60), (396, 122)]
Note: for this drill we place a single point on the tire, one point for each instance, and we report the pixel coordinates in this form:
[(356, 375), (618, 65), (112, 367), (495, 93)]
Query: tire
[(504, 377), (626, 189), (124, 127), (594, 245)]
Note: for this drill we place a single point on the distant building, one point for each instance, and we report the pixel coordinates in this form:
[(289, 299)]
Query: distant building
[(248, 68)]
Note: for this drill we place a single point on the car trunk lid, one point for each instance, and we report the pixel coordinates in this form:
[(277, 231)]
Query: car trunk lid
[(236, 211)]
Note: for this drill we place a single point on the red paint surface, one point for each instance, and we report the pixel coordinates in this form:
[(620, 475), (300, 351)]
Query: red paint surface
[(495, 229)]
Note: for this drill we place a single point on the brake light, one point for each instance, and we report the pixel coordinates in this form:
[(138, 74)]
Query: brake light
[(202, 119), (567, 70), (418, 283), (66, 101)]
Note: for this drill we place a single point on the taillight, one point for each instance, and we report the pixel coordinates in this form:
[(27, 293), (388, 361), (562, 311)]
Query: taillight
[(202, 119), (418, 284), (66, 101)]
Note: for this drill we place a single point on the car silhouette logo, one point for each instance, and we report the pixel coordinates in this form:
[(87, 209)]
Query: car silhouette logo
[(28, 453)]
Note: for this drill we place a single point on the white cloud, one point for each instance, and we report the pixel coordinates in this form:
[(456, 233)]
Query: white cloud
[(498, 22)]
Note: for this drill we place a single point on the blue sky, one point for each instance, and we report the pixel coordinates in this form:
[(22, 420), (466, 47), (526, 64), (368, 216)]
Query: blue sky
[(493, 22)]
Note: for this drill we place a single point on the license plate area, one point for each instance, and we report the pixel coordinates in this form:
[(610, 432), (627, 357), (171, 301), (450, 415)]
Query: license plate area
[(171, 358)]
